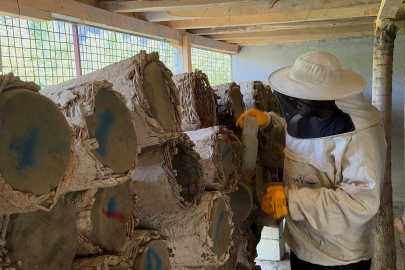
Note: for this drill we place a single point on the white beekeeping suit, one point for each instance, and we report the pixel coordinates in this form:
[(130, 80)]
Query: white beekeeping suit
[(333, 168)]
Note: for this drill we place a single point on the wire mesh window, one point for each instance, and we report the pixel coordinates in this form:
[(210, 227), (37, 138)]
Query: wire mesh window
[(40, 52), (100, 48), (217, 66)]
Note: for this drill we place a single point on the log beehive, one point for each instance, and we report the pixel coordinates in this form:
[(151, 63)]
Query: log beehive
[(169, 177), (106, 141), (40, 239), (103, 218), (230, 103), (199, 236), (217, 149), (197, 100), (35, 148), (254, 95), (149, 91)]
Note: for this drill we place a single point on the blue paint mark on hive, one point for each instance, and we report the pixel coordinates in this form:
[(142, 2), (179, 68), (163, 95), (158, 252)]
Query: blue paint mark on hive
[(154, 262), (112, 205), (217, 231), (25, 148), (103, 130)]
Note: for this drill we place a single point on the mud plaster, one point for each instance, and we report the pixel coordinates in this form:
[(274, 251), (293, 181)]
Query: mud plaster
[(43, 240), (156, 257), (219, 229), (237, 100), (111, 211), (35, 142), (112, 126), (241, 202), (157, 95)]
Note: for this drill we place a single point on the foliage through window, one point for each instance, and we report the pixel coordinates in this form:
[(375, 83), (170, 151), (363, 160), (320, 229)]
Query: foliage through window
[(40, 52), (217, 66)]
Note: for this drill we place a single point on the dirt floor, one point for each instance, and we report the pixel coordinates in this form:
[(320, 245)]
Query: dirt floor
[(285, 263)]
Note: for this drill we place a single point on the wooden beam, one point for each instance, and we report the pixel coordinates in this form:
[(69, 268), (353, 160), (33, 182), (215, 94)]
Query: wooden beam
[(166, 5), (22, 11), (296, 32), (279, 7), (388, 9), (76, 47), (290, 39), (370, 10), (280, 26), (76, 12), (187, 54)]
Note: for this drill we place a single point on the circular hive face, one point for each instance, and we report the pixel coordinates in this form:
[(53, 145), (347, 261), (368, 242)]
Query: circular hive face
[(156, 257), (241, 202), (155, 90), (110, 212), (188, 174), (220, 229), (225, 164), (35, 142), (237, 100), (112, 126), (43, 240)]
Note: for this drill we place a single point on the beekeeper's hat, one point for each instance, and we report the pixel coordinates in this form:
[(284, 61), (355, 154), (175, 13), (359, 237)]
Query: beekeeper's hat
[(317, 76)]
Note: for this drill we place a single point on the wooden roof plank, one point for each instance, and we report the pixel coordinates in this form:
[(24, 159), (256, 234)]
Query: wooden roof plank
[(389, 8), (167, 5), (370, 10)]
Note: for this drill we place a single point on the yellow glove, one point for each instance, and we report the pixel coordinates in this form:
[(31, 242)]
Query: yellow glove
[(274, 202), (262, 117)]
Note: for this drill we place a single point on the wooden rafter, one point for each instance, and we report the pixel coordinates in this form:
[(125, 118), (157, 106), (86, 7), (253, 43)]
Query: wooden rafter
[(296, 32), (370, 10), (167, 5), (289, 39), (388, 9), (279, 7)]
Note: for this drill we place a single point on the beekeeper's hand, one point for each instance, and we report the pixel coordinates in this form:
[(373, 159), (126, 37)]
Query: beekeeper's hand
[(262, 117), (274, 202)]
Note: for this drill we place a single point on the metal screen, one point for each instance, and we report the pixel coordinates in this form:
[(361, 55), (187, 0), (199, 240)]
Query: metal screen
[(217, 66), (100, 48), (40, 52)]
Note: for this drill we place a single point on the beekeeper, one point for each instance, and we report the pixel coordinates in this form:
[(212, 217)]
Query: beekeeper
[(334, 162)]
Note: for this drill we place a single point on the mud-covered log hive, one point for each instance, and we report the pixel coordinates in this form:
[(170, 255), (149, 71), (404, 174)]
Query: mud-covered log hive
[(198, 236), (254, 95), (230, 103), (106, 141), (169, 177), (149, 91), (41, 239), (35, 148), (197, 100), (217, 149)]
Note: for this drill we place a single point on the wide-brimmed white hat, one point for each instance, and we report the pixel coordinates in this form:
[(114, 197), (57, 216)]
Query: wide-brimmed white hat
[(317, 76)]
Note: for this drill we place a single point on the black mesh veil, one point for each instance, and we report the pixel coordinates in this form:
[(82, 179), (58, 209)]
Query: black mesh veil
[(308, 119)]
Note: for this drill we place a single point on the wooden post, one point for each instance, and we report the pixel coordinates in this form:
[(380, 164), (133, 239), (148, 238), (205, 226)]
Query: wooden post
[(76, 47), (187, 54), (384, 242)]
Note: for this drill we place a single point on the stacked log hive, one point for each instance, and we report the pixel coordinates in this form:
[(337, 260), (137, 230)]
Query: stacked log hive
[(106, 142), (149, 91), (217, 149), (172, 173), (197, 100), (40, 239), (230, 103), (199, 236), (35, 149), (254, 95)]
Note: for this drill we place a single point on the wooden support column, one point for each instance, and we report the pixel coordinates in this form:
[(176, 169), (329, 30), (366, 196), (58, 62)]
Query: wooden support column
[(187, 54), (384, 241), (77, 50)]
